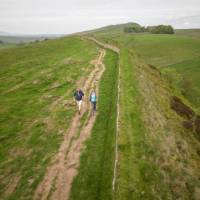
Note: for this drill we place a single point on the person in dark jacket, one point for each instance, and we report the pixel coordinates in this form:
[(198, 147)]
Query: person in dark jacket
[(78, 95)]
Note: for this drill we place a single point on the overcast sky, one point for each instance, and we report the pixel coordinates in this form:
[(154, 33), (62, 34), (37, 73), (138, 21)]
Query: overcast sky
[(68, 16)]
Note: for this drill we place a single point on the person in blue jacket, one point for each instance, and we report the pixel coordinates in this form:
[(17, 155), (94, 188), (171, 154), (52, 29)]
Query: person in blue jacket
[(93, 100)]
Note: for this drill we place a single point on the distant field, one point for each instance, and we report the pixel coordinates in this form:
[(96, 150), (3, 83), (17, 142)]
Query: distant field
[(189, 32), (36, 86), (15, 39), (163, 50)]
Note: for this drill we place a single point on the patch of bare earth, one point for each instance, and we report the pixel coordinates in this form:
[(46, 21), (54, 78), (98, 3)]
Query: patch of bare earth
[(57, 181)]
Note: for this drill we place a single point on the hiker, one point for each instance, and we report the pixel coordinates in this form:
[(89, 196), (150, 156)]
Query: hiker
[(78, 95), (93, 100)]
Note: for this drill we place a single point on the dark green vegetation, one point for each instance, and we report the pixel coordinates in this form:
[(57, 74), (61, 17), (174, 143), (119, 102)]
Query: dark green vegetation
[(37, 82), (159, 158), (135, 29), (160, 29), (94, 180)]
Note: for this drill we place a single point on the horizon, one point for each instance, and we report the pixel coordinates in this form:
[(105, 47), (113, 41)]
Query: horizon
[(36, 17), (20, 34)]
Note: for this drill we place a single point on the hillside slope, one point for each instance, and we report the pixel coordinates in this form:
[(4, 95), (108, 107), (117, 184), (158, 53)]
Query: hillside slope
[(142, 144), (114, 29), (37, 84), (158, 144)]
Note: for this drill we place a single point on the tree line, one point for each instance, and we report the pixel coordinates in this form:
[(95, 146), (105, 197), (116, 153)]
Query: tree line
[(160, 29)]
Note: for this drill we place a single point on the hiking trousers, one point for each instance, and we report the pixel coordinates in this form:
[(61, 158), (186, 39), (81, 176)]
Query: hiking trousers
[(79, 104), (94, 104)]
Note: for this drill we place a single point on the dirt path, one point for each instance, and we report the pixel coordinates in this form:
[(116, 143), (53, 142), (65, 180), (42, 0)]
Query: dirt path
[(104, 45), (57, 181)]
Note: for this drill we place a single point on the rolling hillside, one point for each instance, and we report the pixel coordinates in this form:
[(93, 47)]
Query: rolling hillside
[(37, 84), (158, 142), (143, 142)]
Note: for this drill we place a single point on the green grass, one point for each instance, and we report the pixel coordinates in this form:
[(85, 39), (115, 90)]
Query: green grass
[(195, 33), (32, 78), (158, 158), (94, 180), (138, 177), (159, 50), (114, 29), (176, 55), (156, 49), (162, 50)]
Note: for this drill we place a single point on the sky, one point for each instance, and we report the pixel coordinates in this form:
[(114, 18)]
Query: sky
[(69, 16)]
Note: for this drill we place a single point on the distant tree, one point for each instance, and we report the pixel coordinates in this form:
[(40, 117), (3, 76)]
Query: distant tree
[(128, 29), (135, 29), (161, 29), (1, 42), (149, 28), (143, 29)]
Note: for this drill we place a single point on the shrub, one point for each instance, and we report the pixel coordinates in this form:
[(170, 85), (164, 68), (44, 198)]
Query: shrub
[(135, 29), (161, 29)]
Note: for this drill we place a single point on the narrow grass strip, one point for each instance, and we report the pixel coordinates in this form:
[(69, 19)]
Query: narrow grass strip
[(117, 127)]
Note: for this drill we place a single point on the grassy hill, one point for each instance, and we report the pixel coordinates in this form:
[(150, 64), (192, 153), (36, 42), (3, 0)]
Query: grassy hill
[(159, 123), (118, 28), (37, 83), (158, 143), (114, 29)]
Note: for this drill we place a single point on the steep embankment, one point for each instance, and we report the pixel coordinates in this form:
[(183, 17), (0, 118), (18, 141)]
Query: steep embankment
[(175, 148)]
